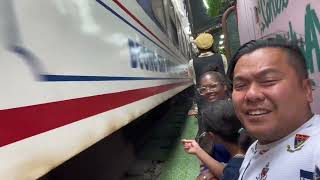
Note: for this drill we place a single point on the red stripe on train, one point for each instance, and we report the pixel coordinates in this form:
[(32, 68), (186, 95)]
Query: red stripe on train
[(23, 122)]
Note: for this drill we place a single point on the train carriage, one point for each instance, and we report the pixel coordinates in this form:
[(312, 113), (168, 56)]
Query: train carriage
[(73, 72)]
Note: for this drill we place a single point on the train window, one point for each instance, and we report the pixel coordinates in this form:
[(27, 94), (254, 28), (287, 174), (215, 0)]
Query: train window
[(180, 35), (158, 10), (155, 10), (172, 13), (174, 33), (185, 47), (171, 22)]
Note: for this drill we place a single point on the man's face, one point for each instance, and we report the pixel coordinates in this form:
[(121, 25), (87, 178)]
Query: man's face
[(211, 89), (270, 99)]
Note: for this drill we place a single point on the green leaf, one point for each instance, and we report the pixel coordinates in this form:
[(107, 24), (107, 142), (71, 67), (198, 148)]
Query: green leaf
[(214, 7)]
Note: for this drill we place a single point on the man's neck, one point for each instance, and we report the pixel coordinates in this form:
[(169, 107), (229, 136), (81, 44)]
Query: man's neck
[(305, 118)]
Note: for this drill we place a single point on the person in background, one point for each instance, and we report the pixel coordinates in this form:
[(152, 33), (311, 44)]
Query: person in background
[(272, 95), (223, 126), (212, 87), (206, 61)]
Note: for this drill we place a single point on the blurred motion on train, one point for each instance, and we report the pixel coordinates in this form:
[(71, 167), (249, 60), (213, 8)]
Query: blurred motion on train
[(73, 72)]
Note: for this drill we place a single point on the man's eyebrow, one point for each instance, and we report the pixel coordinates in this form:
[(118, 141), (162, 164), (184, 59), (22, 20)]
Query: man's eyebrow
[(269, 71), (238, 78), (264, 72)]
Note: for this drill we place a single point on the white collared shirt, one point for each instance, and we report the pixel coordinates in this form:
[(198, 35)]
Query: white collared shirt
[(295, 157)]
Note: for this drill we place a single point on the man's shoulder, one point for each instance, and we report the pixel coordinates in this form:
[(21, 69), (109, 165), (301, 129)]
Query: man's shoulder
[(315, 134), (311, 138), (317, 119), (313, 128)]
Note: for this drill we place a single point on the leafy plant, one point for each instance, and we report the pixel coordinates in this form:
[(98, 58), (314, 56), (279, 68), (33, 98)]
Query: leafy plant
[(217, 7), (222, 51), (214, 7)]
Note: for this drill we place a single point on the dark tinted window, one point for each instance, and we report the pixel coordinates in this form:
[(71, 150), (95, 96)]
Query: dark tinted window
[(155, 10)]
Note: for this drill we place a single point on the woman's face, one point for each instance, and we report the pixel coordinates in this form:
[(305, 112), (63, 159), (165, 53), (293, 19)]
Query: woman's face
[(212, 89)]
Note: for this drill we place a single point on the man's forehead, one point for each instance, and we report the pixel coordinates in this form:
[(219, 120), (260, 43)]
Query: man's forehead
[(262, 61), (267, 51), (266, 72), (261, 58)]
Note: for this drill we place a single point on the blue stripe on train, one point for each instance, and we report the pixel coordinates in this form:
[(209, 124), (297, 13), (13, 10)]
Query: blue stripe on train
[(99, 78)]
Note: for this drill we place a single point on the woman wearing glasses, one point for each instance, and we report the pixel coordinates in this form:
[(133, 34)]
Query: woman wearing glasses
[(212, 86)]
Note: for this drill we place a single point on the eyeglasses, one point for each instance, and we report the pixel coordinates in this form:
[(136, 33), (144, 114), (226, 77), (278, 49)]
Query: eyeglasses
[(210, 88)]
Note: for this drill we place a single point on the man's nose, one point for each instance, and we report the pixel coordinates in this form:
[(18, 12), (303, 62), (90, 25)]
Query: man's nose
[(254, 93)]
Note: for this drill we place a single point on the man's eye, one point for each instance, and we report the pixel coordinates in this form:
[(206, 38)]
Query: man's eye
[(269, 82), (239, 86)]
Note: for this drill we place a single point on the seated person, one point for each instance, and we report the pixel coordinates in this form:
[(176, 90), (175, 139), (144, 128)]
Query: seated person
[(207, 60), (223, 126)]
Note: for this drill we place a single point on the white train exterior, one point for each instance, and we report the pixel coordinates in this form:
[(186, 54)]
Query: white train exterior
[(73, 72)]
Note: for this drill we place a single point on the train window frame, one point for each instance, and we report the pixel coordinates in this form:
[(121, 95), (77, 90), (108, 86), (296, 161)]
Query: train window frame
[(174, 34), (158, 10), (149, 7), (172, 24), (185, 46), (180, 34)]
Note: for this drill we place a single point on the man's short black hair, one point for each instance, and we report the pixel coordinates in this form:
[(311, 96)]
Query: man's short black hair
[(295, 56)]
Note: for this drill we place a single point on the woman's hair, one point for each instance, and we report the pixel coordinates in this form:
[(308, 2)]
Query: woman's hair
[(216, 75), (220, 118)]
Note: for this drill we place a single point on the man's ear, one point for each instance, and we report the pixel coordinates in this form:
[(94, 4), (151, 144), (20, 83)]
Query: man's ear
[(307, 87)]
